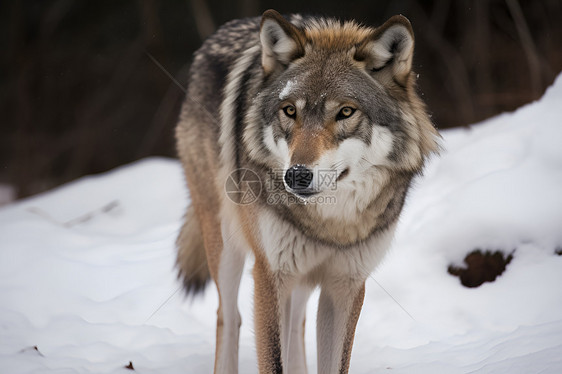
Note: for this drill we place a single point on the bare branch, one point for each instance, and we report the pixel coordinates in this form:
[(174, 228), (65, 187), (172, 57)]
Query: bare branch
[(528, 45)]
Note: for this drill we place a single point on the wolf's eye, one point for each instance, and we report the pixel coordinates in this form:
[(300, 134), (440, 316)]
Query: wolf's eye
[(290, 111), (344, 113)]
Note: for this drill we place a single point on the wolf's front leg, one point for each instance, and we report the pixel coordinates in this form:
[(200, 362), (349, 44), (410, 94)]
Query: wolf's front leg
[(339, 307), (293, 311), (268, 291), (228, 317)]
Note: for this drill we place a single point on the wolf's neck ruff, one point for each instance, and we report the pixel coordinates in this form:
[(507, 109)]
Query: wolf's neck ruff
[(352, 225)]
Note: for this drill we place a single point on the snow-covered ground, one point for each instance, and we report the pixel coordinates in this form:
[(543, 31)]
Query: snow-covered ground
[(7, 194), (87, 282)]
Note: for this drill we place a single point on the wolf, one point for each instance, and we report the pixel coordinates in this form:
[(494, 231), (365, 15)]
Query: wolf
[(273, 106)]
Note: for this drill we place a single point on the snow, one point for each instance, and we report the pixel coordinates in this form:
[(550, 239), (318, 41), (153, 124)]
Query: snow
[(86, 270), (7, 194), (286, 90)]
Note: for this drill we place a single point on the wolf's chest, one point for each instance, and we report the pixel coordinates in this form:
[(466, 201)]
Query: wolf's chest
[(289, 251), (286, 248)]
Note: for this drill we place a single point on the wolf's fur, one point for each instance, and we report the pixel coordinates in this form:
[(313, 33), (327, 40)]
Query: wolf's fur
[(192, 261), (268, 95)]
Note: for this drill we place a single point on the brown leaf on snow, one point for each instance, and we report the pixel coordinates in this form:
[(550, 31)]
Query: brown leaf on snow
[(130, 366), (32, 349)]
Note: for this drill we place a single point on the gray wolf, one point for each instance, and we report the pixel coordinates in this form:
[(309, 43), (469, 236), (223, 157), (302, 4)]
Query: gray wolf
[(290, 100)]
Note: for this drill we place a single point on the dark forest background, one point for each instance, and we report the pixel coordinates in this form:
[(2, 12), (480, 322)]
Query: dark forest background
[(80, 93)]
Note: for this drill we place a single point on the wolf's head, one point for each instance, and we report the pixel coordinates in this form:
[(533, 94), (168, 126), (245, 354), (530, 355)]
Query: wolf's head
[(337, 98)]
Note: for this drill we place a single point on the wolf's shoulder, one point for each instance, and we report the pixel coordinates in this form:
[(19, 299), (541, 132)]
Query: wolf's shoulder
[(237, 35), (232, 38)]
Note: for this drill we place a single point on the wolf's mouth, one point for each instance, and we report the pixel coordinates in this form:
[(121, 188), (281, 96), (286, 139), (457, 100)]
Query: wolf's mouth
[(304, 193), (343, 174)]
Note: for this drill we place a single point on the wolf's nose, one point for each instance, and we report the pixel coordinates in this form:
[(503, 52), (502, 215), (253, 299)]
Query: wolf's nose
[(298, 177)]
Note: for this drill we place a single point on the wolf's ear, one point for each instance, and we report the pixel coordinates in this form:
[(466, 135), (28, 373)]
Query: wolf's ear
[(388, 52), (281, 41)]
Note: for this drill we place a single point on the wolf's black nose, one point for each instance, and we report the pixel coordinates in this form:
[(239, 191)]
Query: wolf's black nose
[(298, 177)]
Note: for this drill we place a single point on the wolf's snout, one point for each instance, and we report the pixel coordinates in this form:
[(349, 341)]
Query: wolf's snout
[(298, 177)]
